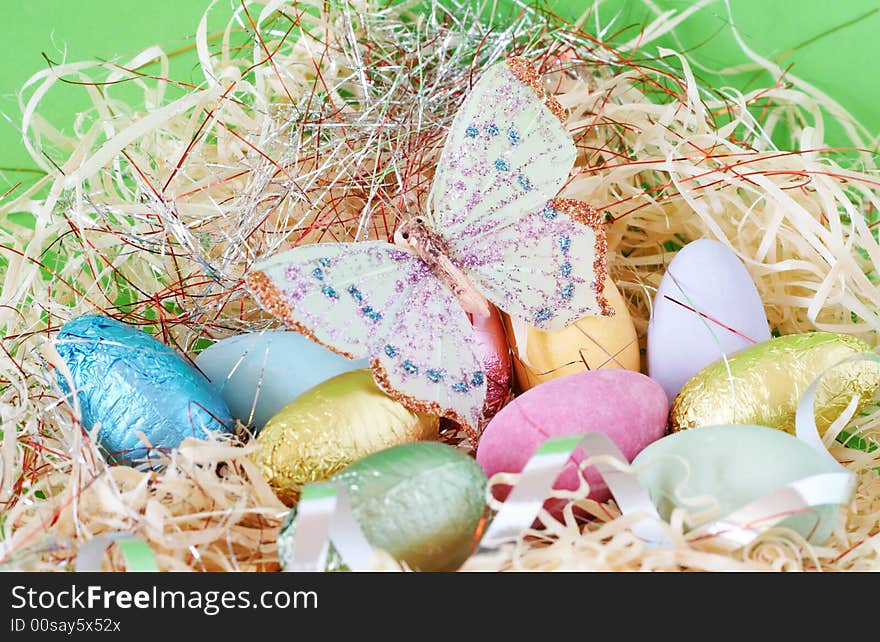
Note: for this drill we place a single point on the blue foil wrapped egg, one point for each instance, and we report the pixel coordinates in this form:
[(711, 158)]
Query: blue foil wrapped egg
[(128, 382)]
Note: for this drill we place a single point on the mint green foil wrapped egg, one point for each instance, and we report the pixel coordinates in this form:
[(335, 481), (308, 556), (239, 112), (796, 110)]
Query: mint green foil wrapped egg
[(420, 502)]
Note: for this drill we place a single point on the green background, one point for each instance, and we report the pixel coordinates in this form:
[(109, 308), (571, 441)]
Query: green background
[(833, 45)]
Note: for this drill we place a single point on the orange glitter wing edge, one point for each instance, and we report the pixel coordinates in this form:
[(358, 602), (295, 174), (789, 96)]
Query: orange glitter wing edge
[(417, 405), (586, 214), (271, 299), (583, 213), (525, 72)]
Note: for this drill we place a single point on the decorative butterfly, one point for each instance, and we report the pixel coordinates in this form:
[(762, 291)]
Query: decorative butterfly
[(494, 232)]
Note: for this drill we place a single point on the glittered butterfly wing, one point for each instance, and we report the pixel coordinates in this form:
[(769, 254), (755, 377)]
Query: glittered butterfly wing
[(318, 290), (546, 268), (430, 360), (506, 157), (372, 299)]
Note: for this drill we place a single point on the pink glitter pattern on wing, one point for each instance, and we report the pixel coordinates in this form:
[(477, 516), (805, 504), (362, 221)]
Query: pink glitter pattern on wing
[(513, 156), (372, 299)]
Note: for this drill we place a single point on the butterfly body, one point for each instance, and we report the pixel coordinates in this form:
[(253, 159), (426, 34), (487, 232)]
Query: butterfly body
[(429, 246), (494, 231)]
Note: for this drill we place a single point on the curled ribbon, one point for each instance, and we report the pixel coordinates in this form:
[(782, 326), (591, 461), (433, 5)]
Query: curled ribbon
[(139, 557), (805, 423), (324, 512), (324, 516), (536, 482), (746, 524)]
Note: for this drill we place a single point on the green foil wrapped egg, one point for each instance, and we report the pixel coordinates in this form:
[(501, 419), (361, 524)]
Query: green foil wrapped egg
[(421, 503), (763, 383), (716, 470), (330, 426)]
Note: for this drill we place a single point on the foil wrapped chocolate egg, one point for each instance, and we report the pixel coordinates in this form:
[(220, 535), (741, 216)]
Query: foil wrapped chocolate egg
[(492, 343), (591, 343), (421, 503), (331, 426), (129, 383), (762, 384)]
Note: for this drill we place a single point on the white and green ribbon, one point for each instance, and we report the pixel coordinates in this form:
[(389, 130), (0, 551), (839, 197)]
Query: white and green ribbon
[(324, 516), (746, 524), (535, 485), (138, 555)]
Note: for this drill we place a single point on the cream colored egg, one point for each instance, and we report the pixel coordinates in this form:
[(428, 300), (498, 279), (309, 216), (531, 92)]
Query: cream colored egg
[(592, 343)]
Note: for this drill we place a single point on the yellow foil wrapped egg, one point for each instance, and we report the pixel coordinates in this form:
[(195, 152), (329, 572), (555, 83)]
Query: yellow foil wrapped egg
[(331, 426), (763, 384), (592, 343)]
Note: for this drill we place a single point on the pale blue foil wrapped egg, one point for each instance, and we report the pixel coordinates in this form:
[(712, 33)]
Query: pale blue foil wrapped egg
[(127, 381), (258, 374)]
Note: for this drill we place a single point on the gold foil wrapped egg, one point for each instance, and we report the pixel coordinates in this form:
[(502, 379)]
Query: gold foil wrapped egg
[(592, 343), (763, 384), (331, 426)]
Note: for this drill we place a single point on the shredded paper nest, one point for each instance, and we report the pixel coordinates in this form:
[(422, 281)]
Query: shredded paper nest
[(312, 121)]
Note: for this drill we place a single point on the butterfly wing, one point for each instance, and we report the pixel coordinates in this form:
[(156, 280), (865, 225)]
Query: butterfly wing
[(493, 199), (320, 290), (505, 155), (546, 268), (373, 299), (431, 361)]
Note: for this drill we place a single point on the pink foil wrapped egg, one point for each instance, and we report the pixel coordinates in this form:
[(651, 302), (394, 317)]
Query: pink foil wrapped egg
[(497, 365), (496, 360), (627, 406)]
